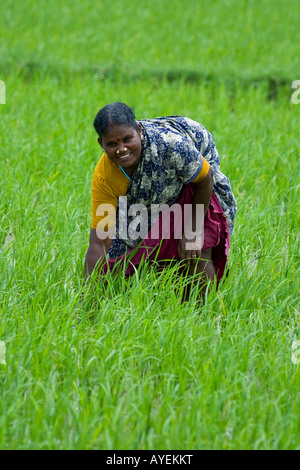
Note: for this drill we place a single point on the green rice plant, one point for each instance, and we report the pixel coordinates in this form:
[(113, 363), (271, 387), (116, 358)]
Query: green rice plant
[(141, 369)]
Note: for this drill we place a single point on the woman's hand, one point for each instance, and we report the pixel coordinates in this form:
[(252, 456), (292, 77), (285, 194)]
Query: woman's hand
[(96, 251), (190, 249)]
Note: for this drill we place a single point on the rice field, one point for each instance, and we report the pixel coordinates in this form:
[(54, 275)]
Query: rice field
[(141, 370)]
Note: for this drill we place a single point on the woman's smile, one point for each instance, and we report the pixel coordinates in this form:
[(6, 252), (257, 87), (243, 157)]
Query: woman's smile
[(122, 157)]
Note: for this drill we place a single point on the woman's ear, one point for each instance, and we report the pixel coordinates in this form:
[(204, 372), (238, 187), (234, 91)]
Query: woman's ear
[(140, 130), (99, 141)]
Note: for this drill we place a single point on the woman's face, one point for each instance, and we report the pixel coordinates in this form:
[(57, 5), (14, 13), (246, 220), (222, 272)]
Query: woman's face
[(122, 145)]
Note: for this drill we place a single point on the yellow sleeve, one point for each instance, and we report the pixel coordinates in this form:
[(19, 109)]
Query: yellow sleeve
[(203, 172), (108, 184), (103, 194)]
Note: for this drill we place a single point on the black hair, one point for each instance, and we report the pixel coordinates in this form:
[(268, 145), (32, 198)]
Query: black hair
[(115, 113)]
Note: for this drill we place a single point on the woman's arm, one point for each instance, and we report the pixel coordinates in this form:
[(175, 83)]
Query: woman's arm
[(202, 194), (188, 248), (96, 250)]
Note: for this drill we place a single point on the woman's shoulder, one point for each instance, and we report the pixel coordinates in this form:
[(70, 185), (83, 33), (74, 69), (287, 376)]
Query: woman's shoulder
[(109, 174), (162, 129), (107, 169), (178, 125), (161, 122), (170, 121)]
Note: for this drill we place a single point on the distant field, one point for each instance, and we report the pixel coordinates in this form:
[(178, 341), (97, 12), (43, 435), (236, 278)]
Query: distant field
[(240, 38), (148, 372)]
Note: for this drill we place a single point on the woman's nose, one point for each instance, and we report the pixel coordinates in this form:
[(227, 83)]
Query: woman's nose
[(122, 148)]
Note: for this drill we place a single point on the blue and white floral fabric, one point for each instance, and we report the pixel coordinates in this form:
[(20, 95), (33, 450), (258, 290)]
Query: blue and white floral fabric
[(171, 158)]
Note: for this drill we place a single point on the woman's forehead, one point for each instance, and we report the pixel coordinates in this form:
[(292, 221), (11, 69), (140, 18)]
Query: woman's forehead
[(117, 132)]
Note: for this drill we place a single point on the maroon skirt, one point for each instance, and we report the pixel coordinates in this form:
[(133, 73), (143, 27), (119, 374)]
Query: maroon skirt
[(160, 248)]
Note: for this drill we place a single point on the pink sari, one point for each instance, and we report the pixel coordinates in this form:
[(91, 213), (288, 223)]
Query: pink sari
[(154, 248)]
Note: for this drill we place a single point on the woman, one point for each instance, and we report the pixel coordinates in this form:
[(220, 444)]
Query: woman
[(164, 163)]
